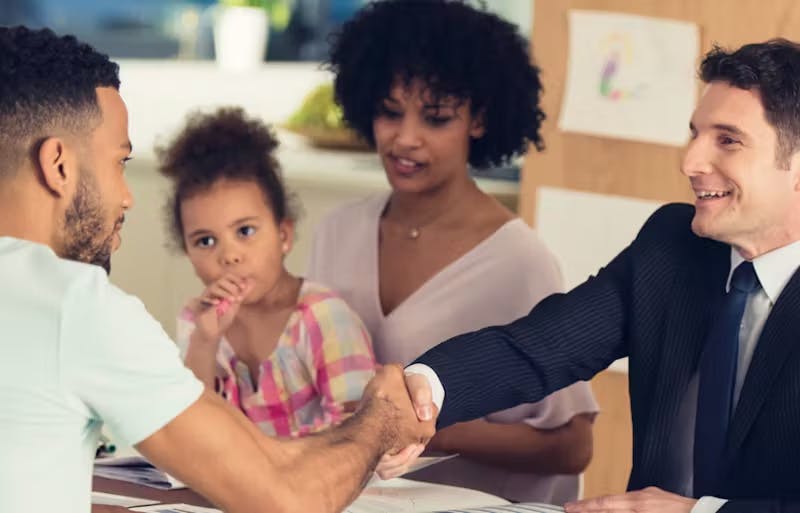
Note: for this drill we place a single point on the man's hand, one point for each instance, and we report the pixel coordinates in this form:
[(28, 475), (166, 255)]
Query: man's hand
[(394, 464), (649, 500), (419, 389), (387, 400)]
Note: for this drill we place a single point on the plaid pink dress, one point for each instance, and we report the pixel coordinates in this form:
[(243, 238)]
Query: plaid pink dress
[(323, 359)]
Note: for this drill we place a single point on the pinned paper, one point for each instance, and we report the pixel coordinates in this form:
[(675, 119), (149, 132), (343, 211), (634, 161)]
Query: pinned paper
[(630, 77)]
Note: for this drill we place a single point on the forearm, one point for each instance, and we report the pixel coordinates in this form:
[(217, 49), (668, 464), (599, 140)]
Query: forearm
[(521, 448), (326, 471), (201, 358)]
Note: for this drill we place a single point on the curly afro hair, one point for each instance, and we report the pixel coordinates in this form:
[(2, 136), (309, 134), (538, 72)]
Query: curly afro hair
[(455, 50), (225, 144), (47, 82)]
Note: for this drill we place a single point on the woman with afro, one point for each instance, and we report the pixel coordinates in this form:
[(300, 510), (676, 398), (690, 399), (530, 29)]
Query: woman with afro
[(437, 87)]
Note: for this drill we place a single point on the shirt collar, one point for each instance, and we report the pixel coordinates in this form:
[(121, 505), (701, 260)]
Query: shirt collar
[(774, 269)]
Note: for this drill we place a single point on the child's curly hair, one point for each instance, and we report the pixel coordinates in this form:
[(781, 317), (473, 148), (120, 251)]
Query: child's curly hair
[(226, 144), (453, 49)]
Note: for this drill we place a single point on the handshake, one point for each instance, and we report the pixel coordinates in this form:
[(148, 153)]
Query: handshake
[(400, 407)]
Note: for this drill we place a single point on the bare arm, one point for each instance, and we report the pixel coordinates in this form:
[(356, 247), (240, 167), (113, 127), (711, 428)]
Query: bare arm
[(519, 447), (220, 454), (201, 358)]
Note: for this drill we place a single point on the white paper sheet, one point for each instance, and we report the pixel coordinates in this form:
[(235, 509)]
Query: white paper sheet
[(109, 499), (135, 469), (630, 77), (405, 496), (176, 508)]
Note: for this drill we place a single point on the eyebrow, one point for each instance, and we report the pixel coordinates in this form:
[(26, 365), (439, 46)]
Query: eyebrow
[(127, 146), (724, 127)]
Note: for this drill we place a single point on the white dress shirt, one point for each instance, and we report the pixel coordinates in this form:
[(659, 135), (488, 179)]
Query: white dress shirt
[(774, 270)]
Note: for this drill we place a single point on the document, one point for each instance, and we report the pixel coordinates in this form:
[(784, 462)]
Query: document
[(528, 507), (406, 496), (176, 508), (109, 499), (135, 469)]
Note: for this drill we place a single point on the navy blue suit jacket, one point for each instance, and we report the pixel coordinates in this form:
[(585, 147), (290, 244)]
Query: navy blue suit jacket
[(653, 304)]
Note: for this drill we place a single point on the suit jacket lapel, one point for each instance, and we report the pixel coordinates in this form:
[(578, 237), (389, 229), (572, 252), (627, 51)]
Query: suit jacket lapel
[(695, 293), (777, 342)]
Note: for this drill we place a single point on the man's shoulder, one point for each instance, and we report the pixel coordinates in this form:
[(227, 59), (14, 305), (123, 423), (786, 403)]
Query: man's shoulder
[(36, 266), (670, 224)]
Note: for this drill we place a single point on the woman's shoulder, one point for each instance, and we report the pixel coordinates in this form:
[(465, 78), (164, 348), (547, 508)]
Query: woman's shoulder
[(365, 208)]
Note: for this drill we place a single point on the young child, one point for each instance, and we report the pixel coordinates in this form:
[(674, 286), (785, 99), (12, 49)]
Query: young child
[(288, 352)]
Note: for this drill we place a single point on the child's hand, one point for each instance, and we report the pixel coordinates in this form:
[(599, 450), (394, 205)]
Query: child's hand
[(216, 308)]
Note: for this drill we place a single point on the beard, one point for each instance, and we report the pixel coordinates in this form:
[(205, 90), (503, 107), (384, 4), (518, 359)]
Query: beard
[(84, 223)]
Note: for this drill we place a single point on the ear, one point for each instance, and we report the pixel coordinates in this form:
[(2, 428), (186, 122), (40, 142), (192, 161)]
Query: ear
[(56, 166), (477, 127), (286, 231), (794, 169)]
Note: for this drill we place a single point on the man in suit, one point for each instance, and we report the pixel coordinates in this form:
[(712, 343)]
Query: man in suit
[(705, 303)]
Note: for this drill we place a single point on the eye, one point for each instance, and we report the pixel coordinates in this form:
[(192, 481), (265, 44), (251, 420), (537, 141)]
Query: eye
[(386, 112), (438, 120), (206, 241), (726, 140), (124, 162), (246, 231)]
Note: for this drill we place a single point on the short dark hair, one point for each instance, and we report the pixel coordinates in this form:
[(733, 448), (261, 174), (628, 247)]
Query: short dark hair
[(225, 144), (773, 68), (454, 49), (47, 82)]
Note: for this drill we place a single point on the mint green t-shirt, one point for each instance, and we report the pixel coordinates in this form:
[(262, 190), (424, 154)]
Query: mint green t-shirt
[(75, 351)]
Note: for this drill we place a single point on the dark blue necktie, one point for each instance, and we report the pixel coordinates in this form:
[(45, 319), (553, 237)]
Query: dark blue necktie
[(717, 375)]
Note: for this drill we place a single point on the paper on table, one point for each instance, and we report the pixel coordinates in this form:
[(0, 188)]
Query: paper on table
[(135, 469), (109, 499), (419, 464), (405, 496), (176, 508), (528, 507)]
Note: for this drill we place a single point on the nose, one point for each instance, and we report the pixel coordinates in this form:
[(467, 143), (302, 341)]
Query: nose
[(127, 196), (230, 254), (696, 160), (408, 132)]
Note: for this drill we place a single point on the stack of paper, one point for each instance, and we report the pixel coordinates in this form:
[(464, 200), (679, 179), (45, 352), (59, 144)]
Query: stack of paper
[(135, 469), (528, 507)]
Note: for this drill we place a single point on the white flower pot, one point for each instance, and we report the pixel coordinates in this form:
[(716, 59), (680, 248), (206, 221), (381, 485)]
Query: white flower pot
[(240, 37)]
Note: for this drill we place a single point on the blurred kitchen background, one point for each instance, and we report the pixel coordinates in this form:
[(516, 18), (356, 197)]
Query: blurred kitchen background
[(170, 67)]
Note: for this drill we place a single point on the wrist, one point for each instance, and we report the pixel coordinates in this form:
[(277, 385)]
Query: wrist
[(204, 341), (378, 422)]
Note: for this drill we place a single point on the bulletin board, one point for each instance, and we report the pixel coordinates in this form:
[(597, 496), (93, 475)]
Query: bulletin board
[(626, 168)]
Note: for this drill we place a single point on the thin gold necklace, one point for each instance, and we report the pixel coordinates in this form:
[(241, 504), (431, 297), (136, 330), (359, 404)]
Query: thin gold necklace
[(413, 232)]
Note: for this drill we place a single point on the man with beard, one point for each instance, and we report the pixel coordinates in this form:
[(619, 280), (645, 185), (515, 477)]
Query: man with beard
[(77, 351)]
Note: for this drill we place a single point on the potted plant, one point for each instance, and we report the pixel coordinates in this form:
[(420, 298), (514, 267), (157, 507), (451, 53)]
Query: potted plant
[(241, 31)]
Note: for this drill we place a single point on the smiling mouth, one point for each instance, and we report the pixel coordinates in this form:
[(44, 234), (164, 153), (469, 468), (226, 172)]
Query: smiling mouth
[(405, 165), (711, 195)]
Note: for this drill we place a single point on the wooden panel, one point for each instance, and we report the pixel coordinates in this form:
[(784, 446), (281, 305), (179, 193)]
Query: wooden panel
[(611, 462), (612, 166)]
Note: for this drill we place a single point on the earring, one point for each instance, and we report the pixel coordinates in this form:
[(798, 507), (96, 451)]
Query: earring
[(285, 248)]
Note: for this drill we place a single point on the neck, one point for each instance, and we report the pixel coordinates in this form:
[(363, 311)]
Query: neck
[(27, 214), (775, 238), (283, 295), (417, 209)]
